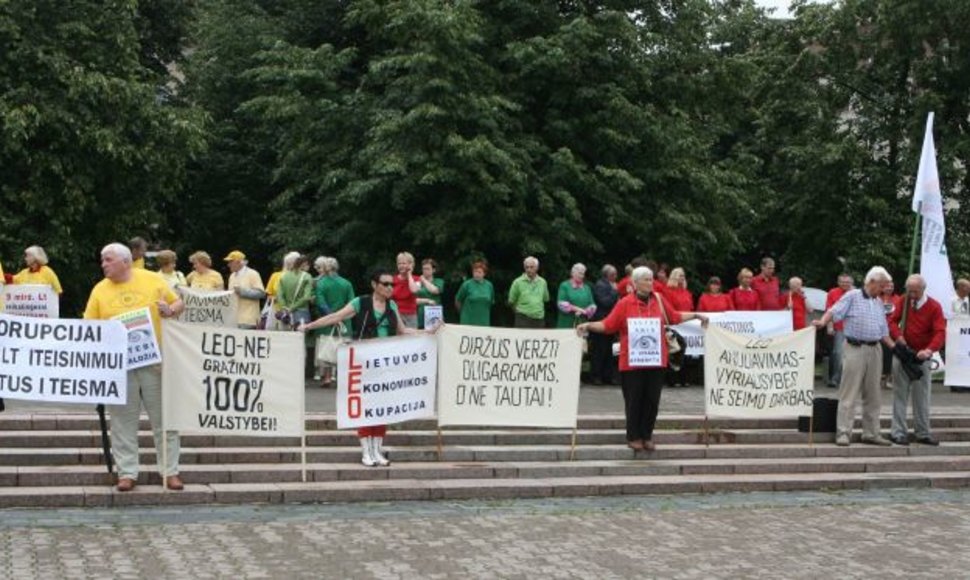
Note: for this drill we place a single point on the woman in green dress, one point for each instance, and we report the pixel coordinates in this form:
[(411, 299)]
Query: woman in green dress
[(575, 299), (432, 288), (476, 297)]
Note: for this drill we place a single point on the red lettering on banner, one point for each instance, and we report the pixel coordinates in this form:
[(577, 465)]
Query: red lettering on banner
[(354, 403)]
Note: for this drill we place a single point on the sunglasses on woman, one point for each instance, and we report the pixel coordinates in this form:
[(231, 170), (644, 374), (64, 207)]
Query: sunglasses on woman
[(387, 283)]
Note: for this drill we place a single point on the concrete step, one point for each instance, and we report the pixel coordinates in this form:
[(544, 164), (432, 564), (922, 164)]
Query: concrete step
[(411, 489), (88, 421), (82, 439), (84, 475), (30, 456)]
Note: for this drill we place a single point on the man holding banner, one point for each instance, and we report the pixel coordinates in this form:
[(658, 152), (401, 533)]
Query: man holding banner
[(248, 285), (923, 331), (865, 327), (125, 290)]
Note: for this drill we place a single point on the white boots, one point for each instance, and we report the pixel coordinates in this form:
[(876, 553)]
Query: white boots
[(371, 455)]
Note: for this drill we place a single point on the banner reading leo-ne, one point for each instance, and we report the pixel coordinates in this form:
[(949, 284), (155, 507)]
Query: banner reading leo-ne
[(508, 376), (760, 378), (385, 381), (958, 352), (36, 300), (63, 361), (750, 323), (227, 381), (208, 308)]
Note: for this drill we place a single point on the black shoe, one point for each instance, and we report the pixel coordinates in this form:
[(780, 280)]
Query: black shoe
[(903, 440), (927, 441)]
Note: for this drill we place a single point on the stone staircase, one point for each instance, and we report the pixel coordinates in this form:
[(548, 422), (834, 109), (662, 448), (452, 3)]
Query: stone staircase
[(51, 460)]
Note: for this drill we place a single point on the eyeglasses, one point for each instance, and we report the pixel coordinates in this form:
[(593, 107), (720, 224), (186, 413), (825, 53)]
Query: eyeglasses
[(386, 284)]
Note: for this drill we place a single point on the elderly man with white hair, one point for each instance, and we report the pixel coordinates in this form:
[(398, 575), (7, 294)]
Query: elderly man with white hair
[(126, 289), (865, 328), (528, 296), (921, 326), (248, 286)]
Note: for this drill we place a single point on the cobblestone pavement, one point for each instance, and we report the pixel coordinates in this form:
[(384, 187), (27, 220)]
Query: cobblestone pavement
[(886, 534)]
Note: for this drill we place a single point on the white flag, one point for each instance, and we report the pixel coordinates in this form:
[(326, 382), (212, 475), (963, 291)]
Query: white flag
[(927, 201)]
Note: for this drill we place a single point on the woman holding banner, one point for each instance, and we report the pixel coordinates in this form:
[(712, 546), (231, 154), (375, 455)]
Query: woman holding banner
[(37, 271), (744, 297), (475, 297), (641, 319), (373, 316), (166, 260), (202, 276)]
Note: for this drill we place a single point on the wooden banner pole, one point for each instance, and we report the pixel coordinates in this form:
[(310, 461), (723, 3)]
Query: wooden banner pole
[(441, 444), (572, 446)]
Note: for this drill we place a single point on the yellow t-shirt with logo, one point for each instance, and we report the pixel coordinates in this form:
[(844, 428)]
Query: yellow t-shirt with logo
[(109, 299), (211, 280), (247, 309), (44, 276)]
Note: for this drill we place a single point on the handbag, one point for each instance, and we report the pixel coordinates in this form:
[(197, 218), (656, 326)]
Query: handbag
[(327, 345), (676, 344)]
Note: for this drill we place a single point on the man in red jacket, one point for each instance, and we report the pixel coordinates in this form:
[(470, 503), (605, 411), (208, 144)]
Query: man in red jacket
[(767, 285), (924, 331)]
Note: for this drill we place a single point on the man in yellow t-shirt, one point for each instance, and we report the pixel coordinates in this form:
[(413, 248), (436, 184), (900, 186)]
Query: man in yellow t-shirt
[(138, 247), (248, 286), (37, 270), (125, 289)]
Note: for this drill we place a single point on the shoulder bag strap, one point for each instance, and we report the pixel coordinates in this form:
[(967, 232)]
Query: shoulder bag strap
[(663, 311)]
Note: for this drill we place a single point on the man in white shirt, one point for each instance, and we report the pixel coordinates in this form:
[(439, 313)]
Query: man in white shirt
[(960, 306), (248, 286)]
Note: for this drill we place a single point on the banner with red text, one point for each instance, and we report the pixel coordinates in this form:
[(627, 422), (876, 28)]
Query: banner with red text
[(386, 380)]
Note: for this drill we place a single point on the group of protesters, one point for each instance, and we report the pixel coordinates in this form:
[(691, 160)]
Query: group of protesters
[(861, 323)]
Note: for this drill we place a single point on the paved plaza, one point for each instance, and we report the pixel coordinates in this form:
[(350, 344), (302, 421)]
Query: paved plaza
[(885, 534)]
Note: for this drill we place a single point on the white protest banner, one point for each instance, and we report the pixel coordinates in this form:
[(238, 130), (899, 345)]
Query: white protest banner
[(35, 300), (508, 377), (746, 322), (63, 361), (228, 381), (385, 381), (957, 352), (142, 343), (433, 313), (208, 308), (759, 378)]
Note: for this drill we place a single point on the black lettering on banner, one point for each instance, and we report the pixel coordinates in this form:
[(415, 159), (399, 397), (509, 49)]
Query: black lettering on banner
[(240, 395)]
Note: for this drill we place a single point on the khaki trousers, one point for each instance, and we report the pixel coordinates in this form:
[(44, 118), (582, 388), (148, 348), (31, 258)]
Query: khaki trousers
[(144, 388), (861, 371)]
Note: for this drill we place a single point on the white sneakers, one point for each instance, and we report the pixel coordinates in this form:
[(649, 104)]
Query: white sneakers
[(371, 452)]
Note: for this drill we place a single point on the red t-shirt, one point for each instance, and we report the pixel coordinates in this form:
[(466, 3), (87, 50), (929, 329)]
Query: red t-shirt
[(831, 298), (769, 292), (745, 299), (632, 307), (680, 298), (714, 302), (799, 310), (407, 301), (624, 286), (925, 327)]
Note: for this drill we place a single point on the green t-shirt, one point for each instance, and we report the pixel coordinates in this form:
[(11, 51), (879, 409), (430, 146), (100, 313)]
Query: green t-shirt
[(439, 283), (384, 328), (336, 292), (476, 298), (581, 297), (529, 297)]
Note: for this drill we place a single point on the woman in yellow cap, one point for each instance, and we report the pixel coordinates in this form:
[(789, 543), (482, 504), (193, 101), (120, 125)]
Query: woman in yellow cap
[(37, 270)]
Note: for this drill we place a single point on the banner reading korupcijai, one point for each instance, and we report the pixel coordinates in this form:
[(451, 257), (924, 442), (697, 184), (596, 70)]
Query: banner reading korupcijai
[(385, 381), (208, 308), (228, 381), (63, 361), (759, 378), (508, 377), (749, 323), (35, 300), (957, 352), (143, 347)]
